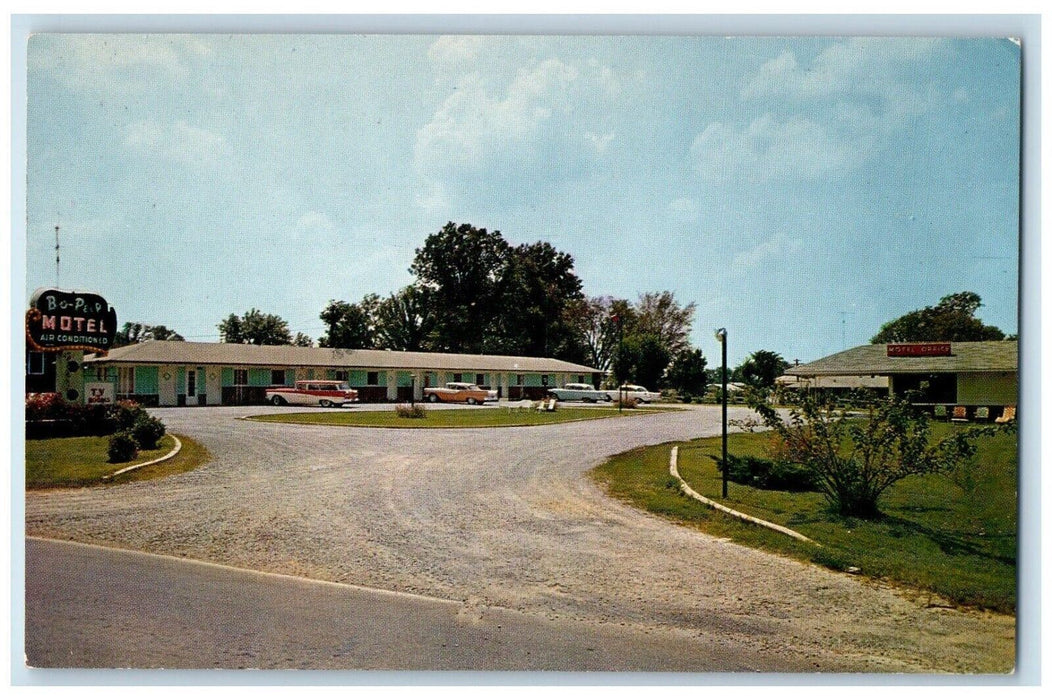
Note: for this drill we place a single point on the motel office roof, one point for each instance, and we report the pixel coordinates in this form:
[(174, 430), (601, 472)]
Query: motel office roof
[(176, 352), (985, 356)]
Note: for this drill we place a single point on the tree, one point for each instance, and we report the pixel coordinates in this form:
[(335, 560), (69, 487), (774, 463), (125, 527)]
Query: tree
[(132, 332), (303, 340), (255, 328), (951, 320), (687, 373), (463, 268), (761, 368), (538, 287), (854, 461), (642, 359), (348, 325), (660, 315), (594, 321), (405, 320)]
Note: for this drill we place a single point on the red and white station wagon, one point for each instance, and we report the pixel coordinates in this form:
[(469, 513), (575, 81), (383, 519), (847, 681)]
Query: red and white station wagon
[(312, 392)]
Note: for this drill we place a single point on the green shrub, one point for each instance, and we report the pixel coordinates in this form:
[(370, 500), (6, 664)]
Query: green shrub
[(122, 447), (147, 431), (410, 410), (770, 474)]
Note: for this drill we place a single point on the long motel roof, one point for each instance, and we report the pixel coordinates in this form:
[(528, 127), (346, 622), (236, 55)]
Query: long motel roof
[(982, 356), (178, 352)]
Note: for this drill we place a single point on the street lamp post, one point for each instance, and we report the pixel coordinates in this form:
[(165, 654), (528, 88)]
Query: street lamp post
[(620, 350), (721, 335)]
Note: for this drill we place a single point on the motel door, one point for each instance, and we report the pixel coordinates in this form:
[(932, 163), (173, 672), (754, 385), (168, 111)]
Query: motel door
[(194, 390)]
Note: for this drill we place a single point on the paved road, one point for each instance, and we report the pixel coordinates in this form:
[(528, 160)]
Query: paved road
[(506, 518), (217, 617)]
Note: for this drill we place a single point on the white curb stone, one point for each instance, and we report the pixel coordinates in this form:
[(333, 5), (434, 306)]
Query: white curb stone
[(174, 452), (674, 471)]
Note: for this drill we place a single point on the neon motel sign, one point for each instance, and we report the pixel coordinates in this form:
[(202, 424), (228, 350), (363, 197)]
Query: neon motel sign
[(60, 320)]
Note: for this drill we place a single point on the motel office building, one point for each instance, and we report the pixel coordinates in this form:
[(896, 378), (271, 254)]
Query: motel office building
[(973, 374), (180, 373)]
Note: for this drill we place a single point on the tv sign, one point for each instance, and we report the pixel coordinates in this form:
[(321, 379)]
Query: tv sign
[(919, 350), (63, 320)]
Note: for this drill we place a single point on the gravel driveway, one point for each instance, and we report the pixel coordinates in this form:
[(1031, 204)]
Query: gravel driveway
[(507, 517)]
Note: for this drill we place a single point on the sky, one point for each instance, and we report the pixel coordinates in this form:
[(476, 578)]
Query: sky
[(801, 191)]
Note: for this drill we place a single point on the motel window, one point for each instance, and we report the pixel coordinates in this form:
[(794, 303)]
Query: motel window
[(458, 377), (126, 380), (35, 363), (240, 377), (277, 377), (372, 378), (341, 375), (520, 380), (480, 379), (580, 379)]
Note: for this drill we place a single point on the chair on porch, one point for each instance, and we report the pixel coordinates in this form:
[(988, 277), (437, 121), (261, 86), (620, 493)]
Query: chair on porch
[(940, 412), (960, 414), (982, 414), (1007, 416)]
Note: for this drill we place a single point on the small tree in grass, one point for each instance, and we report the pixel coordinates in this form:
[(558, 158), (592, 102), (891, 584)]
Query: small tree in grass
[(855, 458)]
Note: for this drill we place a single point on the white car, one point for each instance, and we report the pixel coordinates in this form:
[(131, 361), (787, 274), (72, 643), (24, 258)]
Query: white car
[(634, 391), (580, 392)]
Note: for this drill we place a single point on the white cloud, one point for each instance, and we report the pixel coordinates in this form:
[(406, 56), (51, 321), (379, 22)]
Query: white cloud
[(776, 248), (822, 118), (771, 149), (448, 52), (481, 129), (178, 142), (124, 62), (684, 208), (600, 142)]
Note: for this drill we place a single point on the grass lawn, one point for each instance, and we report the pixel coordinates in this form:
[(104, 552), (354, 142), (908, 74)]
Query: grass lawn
[(82, 461), (457, 418), (952, 535)]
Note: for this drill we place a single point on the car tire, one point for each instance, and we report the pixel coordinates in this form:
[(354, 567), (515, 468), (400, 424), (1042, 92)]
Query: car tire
[(278, 401), (433, 398), (606, 397), (472, 401), (325, 403)]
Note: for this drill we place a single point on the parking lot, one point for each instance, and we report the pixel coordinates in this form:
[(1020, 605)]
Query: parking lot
[(506, 518)]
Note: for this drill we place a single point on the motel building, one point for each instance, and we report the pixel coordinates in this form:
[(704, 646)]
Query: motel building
[(181, 373), (979, 379)]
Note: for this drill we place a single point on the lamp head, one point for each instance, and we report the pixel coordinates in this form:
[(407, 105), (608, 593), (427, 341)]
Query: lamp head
[(721, 335)]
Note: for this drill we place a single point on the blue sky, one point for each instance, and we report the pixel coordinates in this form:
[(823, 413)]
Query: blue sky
[(801, 191)]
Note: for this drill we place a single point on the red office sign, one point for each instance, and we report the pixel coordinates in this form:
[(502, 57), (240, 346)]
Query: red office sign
[(919, 350), (63, 320)]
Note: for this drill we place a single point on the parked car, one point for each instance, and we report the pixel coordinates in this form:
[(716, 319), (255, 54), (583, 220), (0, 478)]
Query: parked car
[(312, 392), (580, 392), (634, 391), (459, 392)]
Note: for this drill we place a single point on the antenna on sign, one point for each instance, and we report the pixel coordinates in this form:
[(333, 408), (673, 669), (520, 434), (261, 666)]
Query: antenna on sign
[(56, 257)]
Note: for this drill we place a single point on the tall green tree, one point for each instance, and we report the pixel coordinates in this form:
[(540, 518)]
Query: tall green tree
[(405, 320), (133, 332), (255, 328), (595, 321), (687, 374), (348, 325), (660, 315), (762, 368), (641, 359), (951, 320), (538, 287), (463, 268)]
